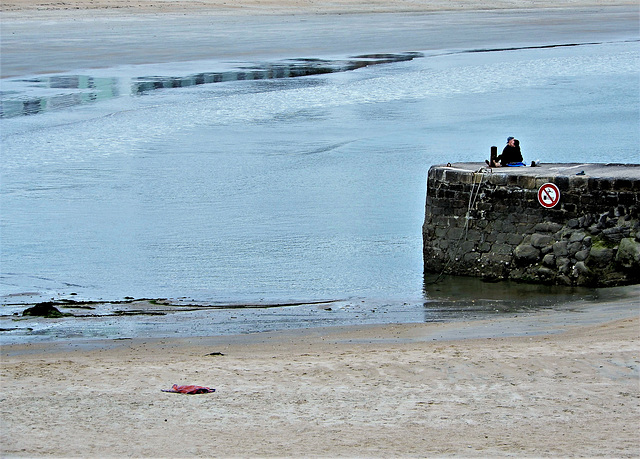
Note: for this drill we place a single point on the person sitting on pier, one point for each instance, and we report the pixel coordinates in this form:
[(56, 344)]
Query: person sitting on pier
[(511, 154)]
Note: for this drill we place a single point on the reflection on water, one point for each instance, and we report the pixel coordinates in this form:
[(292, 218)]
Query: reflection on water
[(454, 297), (290, 68), (37, 95), (45, 95)]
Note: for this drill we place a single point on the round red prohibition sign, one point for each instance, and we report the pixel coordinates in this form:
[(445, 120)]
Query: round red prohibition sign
[(548, 195)]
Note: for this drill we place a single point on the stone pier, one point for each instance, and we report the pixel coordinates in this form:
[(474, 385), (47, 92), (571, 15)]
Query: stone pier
[(568, 224)]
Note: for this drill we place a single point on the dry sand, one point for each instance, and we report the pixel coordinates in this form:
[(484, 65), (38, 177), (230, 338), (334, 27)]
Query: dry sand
[(373, 391)]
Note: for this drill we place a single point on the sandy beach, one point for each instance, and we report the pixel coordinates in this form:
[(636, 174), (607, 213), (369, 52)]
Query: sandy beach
[(384, 391)]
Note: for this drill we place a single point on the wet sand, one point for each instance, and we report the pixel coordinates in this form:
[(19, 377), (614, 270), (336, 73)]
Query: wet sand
[(295, 6), (50, 37)]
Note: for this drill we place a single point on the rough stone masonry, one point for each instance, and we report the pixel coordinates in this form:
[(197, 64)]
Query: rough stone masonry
[(491, 223)]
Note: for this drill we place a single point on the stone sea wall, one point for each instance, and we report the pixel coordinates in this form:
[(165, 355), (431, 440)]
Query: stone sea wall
[(490, 223)]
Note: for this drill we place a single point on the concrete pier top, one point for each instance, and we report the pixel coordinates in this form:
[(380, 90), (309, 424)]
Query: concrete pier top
[(584, 176), (593, 170)]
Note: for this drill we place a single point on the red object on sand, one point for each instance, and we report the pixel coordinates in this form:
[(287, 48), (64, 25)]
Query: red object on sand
[(191, 390)]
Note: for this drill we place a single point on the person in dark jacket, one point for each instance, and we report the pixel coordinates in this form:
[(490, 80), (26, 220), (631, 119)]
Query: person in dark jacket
[(510, 154)]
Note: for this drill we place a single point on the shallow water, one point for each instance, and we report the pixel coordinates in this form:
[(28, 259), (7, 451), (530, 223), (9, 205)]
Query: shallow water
[(452, 299), (287, 189)]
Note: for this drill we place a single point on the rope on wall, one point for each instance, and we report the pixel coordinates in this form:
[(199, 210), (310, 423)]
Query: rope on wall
[(473, 197)]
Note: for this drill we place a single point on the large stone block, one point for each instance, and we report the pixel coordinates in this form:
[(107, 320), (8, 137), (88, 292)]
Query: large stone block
[(600, 256), (540, 240), (547, 227), (628, 255), (560, 248), (526, 254)]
